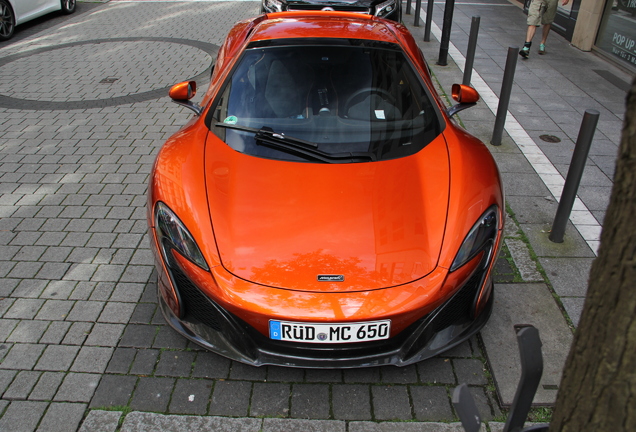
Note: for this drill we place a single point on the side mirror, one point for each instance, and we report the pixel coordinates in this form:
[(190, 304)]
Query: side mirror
[(465, 95), (182, 93)]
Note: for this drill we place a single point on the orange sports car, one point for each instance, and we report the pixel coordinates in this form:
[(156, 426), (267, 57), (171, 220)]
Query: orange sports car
[(322, 209)]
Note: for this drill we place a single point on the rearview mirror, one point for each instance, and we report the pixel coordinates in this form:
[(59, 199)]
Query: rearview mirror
[(182, 93), (465, 95)]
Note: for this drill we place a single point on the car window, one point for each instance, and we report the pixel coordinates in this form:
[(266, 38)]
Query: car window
[(348, 98)]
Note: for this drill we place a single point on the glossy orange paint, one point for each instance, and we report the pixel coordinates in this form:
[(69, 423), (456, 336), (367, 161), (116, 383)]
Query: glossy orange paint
[(244, 214), (464, 94), (257, 304), (282, 223), (183, 91)]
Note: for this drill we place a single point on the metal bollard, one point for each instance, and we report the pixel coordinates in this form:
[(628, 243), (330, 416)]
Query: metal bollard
[(470, 54), (429, 20), (575, 172), (418, 7), (408, 7), (446, 32), (504, 98)]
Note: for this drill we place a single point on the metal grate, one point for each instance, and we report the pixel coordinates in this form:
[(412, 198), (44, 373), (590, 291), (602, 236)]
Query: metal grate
[(195, 304)]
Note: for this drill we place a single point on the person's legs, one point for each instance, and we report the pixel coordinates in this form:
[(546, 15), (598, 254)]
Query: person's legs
[(546, 32), (535, 13), (546, 19), (530, 33)]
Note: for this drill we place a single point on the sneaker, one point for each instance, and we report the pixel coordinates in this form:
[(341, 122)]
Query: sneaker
[(525, 52), (542, 49)]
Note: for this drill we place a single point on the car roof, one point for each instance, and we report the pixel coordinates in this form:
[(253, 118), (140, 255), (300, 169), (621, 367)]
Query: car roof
[(324, 24)]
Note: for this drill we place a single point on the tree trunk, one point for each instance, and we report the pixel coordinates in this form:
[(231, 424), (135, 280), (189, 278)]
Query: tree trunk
[(598, 389)]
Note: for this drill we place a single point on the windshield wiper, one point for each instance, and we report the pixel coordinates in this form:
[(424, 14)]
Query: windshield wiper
[(309, 150)]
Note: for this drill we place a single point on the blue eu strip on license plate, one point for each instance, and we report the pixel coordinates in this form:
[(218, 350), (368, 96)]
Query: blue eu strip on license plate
[(274, 330), (329, 332)]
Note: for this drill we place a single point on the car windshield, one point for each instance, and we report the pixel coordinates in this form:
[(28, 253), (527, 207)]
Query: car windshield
[(323, 102)]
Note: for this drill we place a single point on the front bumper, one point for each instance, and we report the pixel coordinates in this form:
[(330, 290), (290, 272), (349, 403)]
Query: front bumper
[(220, 331)]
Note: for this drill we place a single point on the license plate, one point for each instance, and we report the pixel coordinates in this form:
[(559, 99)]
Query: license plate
[(329, 333)]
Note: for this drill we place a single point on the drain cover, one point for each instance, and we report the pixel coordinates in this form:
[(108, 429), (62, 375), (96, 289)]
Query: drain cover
[(108, 80), (550, 138)]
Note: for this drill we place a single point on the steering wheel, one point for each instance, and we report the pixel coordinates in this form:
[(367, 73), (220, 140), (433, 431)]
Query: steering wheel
[(388, 97)]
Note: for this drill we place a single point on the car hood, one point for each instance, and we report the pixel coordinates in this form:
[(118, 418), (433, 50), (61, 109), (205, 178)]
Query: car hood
[(328, 227)]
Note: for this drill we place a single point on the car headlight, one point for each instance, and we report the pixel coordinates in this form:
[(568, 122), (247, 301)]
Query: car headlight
[(273, 5), (481, 237), (171, 229), (385, 8)]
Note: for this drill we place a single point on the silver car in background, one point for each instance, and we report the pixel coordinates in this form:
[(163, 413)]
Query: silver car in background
[(16, 12)]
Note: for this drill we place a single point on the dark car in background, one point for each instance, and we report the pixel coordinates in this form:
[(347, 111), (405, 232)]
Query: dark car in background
[(388, 9)]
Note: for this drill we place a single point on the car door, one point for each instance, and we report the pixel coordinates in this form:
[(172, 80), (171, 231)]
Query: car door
[(26, 10)]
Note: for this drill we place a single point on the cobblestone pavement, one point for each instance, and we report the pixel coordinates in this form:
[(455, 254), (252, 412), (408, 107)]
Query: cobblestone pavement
[(83, 346)]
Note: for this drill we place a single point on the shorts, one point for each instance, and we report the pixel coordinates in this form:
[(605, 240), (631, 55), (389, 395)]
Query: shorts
[(542, 12)]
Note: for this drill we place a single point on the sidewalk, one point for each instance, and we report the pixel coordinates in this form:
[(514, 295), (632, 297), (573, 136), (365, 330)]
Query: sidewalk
[(82, 344)]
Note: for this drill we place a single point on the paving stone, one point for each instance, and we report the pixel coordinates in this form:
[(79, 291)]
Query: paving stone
[(128, 292), (22, 356), (113, 391), (6, 328), (105, 335), (62, 417), (391, 403), (28, 331), (54, 310), (284, 374), (402, 375), (431, 403), (142, 422), (77, 387), (102, 292), (230, 398), (323, 375), (77, 333), (103, 421), (92, 359), (408, 427), (58, 289), (152, 394), (191, 396), (143, 313), (175, 363), (574, 308), (569, 276), (270, 400), (310, 401), (295, 425), (351, 402), (6, 377), (115, 312), (121, 360), (57, 358), (85, 311), (470, 371), (462, 350), (168, 338), (241, 371), (138, 336), (24, 309), (21, 385), (437, 370), (210, 365), (22, 416), (145, 362), (47, 386), (29, 288)]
